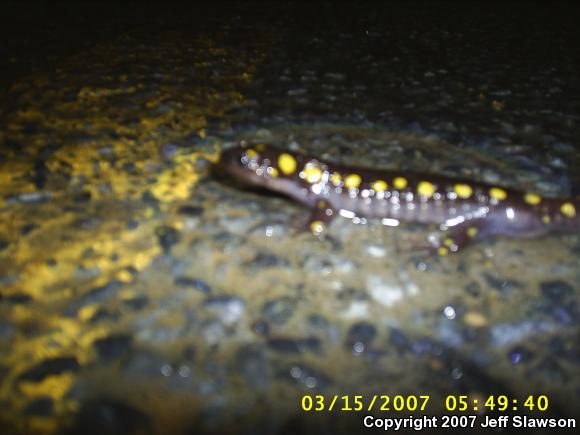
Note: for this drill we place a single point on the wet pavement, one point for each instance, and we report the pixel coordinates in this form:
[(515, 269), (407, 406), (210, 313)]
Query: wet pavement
[(141, 294)]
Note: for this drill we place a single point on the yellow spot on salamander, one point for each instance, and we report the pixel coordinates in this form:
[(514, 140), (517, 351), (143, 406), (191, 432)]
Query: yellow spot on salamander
[(532, 198), (463, 190), (472, 232), (448, 242), (317, 227), (568, 209), (400, 183), (379, 186), (252, 154), (312, 173), (426, 189), (352, 181), (335, 179), (498, 193), (546, 219), (442, 250), (272, 171), (260, 147), (287, 163)]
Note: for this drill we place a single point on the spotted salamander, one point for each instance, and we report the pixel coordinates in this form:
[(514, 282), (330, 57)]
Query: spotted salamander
[(468, 210)]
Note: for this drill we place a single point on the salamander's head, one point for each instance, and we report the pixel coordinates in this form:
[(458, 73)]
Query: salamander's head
[(259, 165)]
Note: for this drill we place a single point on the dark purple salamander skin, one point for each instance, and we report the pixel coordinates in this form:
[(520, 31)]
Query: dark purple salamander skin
[(469, 210)]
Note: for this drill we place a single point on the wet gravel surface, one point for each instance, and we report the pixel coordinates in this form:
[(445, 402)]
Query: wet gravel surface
[(141, 294)]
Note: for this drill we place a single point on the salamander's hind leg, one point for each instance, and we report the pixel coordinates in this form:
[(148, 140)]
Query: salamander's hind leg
[(318, 220), (458, 237)]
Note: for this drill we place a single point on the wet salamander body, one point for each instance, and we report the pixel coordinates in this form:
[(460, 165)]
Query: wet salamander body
[(469, 210)]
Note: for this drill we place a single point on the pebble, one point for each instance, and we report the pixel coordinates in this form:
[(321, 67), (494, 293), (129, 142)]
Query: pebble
[(252, 362), (279, 310), (261, 327), (504, 334), (167, 237), (94, 296), (556, 290), (475, 319), (229, 309), (264, 260), (113, 346), (190, 211), (50, 367), (520, 355), (198, 284), (384, 290), (361, 333), (399, 340), (137, 303), (377, 251), (503, 285), (28, 197), (290, 345)]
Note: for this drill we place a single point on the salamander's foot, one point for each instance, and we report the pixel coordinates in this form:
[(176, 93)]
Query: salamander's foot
[(456, 239), (317, 222)]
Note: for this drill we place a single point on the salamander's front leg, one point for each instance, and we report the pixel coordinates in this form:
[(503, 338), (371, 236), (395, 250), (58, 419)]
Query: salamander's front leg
[(319, 219), (458, 237)]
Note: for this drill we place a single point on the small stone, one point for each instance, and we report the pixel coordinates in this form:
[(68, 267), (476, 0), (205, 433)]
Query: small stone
[(500, 284), (361, 332), (475, 319), (279, 310), (383, 290), (198, 284), (190, 210), (261, 327), (50, 367), (264, 260), (519, 354), (28, 197), (229, 309), (377, 251), (252, 362), (137, 303), (289, 345), (169, 150), (556, 290), (399, 340), (113, 346), (167, 237), (473, 289)]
